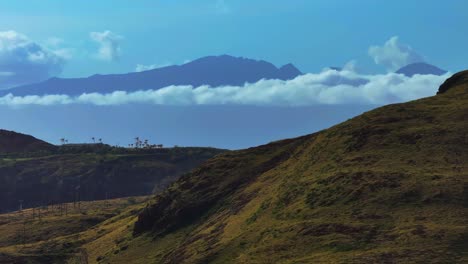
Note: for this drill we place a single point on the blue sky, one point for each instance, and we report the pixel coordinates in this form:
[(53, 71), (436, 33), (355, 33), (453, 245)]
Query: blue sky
[(44, 38), (310, 34)]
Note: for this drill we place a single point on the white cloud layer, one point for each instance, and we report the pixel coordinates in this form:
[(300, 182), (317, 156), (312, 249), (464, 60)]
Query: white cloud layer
[(24, 61), (327, 87), (143, 67), (109, 45), (55, 45), (393, 55)]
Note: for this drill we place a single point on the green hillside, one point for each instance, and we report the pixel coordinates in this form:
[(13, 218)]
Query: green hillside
[(389, 186)]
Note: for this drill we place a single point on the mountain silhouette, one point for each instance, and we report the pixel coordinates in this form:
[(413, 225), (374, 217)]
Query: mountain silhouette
[(213, 71), (420, 68)]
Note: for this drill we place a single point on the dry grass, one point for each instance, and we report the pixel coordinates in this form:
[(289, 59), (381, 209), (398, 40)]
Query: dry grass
[(57, 235)]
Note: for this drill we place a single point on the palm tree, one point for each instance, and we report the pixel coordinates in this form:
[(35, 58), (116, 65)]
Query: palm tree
[(93, 139), (62, 140)]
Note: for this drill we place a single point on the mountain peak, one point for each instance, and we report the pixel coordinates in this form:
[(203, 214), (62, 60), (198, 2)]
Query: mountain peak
[(289, 71), (420, 68), (456, 80), (226, 60)]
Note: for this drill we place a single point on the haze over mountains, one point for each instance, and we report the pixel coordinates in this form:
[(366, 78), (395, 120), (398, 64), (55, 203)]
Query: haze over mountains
[(212, 71)]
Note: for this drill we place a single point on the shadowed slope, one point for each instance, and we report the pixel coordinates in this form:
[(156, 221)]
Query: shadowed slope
[(12, 142), (457, 79), (92, 172)]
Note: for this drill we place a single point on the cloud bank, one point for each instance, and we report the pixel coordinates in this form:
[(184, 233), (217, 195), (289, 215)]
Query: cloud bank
[(109, 45), (393, 55), (24, 61), (144, 67), (326, 87)]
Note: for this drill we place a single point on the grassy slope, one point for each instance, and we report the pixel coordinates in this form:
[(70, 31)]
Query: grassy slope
[(388, 186), (56, 236)]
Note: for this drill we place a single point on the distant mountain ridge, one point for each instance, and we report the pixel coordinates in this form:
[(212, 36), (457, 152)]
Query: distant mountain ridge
[(420, 68), (213, 71)]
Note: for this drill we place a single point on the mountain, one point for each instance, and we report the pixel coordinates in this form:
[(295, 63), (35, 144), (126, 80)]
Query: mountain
[(12, 142), (90, 172), (420, 68), (335, 68), (213, 71)]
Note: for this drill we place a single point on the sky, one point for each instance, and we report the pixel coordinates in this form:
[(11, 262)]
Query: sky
[(117, 36), (369, 39)]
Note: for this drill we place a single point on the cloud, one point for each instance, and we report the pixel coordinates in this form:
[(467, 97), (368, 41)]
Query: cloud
[(308, 89), (55, 45), (23, 61), (350, 66), (11, 100), (393, 55), (7, 74), (54, 41), (109, 45), (142, 67)]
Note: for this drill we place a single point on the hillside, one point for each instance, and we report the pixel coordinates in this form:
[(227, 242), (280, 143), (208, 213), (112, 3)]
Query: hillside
[(213, 71), (389, 186), (91, 172), (54, 233), (12, 142)]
